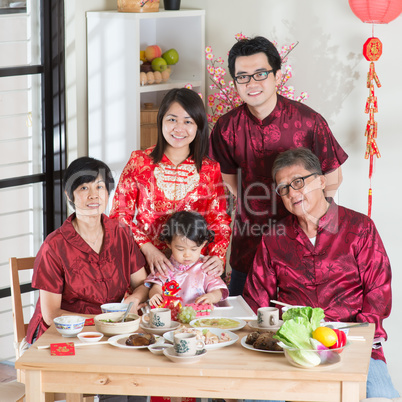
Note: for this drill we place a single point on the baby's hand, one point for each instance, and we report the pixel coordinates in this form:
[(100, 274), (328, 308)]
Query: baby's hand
[(156, 300), (204, 299)]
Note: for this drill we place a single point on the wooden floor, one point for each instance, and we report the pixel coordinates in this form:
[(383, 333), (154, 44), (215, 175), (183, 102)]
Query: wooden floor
[(7, 373)]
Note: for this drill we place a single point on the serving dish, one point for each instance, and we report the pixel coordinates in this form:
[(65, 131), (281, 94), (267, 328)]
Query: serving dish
[(120, 342), (232, 324), (251, 347), (116, 328), (313, 359), (216, 331)]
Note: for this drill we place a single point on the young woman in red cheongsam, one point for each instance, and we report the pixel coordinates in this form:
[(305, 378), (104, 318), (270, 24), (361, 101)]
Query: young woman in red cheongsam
[(174, 175)]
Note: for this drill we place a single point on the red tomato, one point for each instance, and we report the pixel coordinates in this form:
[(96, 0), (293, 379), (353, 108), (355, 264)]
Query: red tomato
[(342, 339)]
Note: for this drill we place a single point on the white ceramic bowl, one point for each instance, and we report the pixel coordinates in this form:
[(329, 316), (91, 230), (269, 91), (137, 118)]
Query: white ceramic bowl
[(69, 325), (114, 307), (104, 323), (90, 337), (158, 348)]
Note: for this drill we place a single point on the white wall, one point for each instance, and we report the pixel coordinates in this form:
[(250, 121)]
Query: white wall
[(329, 65)]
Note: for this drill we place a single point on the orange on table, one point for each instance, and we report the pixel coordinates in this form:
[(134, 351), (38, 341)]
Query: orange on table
[(327, 336)]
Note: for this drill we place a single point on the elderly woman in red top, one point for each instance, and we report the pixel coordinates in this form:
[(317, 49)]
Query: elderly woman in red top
[(175, 175), (91, 259), (324, 255)]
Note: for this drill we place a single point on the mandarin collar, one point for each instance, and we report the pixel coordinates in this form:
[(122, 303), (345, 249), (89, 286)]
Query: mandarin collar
[(329, 221), (188, 161), (71, 235), (182, 267), (276, 112)]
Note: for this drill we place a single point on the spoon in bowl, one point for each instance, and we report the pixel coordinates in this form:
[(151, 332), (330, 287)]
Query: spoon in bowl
[(127, 311)]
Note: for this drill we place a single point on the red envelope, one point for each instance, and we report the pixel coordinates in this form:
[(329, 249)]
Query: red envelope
[(62, 349), (89, 322)]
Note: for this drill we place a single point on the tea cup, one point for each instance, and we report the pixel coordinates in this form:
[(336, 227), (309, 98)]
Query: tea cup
[(267, 317), (158, 318), (187, 344)]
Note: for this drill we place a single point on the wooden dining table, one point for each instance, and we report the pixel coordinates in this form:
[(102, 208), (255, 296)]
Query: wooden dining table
[(228, 372)]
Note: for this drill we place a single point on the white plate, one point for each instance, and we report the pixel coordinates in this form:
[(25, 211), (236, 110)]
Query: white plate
[(233, 338), (159, 331), (209, 323), (120, 341), (253, 324), (251, 347), (171, 355)]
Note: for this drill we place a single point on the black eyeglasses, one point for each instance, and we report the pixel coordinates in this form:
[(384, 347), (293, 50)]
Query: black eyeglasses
[(296, 184), (245, 78)]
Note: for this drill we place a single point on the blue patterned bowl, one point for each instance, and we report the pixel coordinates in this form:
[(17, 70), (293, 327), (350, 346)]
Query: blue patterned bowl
[(69, 325)]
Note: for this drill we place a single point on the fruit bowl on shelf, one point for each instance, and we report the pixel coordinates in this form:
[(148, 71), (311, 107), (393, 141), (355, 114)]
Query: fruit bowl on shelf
[(151, 77)]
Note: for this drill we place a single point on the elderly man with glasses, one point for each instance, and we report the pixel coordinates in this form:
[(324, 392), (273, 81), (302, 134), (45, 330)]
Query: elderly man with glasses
[(246, 140), (324, 256)]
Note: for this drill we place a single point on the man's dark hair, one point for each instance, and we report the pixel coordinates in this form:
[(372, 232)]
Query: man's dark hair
[(296, 156), (250, 46)]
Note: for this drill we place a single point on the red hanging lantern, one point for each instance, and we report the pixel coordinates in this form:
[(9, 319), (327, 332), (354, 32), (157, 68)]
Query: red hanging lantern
[(376, 11)]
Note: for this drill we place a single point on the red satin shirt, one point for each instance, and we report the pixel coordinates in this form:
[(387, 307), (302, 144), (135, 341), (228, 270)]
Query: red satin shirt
[(347, 272), (243, 144), (153, 192), (67, 265)]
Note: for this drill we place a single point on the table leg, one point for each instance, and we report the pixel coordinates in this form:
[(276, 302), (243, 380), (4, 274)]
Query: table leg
[(74, 398), (350, 392), (33, 388)]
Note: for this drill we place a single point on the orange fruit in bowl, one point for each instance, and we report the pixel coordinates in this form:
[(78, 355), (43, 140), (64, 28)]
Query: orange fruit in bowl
[(327, 336)]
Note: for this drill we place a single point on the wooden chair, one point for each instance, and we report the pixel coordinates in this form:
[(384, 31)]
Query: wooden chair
[(12, 391), (20, 327)]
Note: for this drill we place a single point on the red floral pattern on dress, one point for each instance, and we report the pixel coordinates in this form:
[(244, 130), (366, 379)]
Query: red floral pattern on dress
[(148, 193)]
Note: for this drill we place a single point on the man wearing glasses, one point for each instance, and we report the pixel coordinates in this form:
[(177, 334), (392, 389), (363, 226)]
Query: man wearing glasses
[(246, 140), (328, 256)]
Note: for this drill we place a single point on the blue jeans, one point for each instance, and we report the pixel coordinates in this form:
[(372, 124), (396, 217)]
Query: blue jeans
[(237, 281), (379, 383)]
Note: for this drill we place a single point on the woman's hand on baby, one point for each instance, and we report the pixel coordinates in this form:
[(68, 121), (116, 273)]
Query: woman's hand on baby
[(156, 259), (156, 300), (213, 265)]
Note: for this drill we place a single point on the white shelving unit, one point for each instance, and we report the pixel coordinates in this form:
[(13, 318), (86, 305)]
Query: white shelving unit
[(115, 96)]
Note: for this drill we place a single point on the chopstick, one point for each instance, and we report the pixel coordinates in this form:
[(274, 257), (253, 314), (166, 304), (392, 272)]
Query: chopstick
[(356, 338), (280, 303), (77, 344)]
